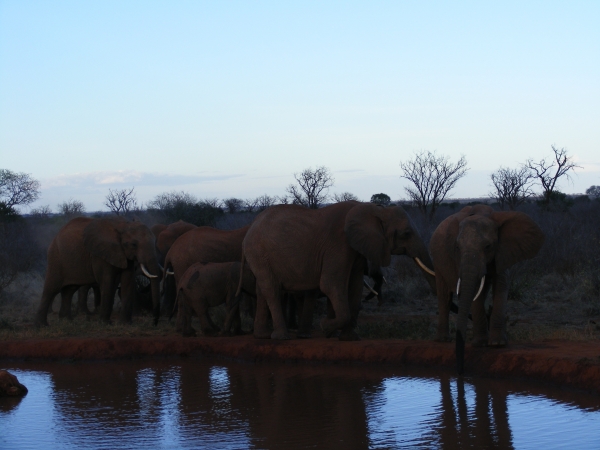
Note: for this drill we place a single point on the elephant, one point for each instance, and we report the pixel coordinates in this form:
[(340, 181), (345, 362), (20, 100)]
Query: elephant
[(202, 244), (10, 386), (293, 248), (472, 251), (212, 284), (105, 252), (82, 299), (375, 273), (157, 229), (168, 235)]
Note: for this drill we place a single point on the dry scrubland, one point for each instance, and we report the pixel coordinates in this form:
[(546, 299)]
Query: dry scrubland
[(554, 296)]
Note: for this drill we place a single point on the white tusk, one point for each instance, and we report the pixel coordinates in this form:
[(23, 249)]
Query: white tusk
[(170, 272), (148, 274), (424, 267), (370, 288), (384, 280), (458, 287), (480, 288)]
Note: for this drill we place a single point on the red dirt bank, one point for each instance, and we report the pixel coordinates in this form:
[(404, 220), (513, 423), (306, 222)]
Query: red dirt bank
[(571, 363)]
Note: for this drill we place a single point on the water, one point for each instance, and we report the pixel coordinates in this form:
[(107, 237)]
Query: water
[(214, 404)]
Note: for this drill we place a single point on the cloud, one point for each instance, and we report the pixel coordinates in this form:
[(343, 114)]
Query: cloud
[(127, 178)]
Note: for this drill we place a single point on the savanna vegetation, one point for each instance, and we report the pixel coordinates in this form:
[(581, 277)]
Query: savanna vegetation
[(554, 295)]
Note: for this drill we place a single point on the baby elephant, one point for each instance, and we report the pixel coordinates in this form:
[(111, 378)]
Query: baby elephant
[(211, 284)]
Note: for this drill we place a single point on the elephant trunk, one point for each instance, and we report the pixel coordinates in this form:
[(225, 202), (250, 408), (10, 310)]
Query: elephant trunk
[(155, 287), (470, 285)]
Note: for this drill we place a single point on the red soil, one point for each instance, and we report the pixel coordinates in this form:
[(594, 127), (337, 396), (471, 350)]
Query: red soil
[(571, 363)]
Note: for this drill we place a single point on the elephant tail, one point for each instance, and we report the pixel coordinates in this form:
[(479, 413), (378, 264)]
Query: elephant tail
[(239, 288)]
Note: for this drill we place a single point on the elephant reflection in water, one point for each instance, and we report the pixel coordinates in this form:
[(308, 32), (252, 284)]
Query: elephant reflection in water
[(488, 429), (282, 406), (107, 397)]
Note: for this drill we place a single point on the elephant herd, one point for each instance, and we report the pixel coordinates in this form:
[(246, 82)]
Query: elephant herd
[(293, 251)]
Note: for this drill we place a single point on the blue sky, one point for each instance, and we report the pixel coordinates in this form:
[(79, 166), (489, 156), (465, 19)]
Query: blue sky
[(226, 99)]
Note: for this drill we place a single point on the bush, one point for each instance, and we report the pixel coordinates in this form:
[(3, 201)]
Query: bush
[(18, 250), (174, 206)]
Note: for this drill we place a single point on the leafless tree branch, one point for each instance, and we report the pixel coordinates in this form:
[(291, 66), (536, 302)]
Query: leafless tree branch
[(433, 177)]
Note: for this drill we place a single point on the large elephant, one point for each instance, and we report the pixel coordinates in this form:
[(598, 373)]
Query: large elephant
[(290, 247), (472, 251), (204, 245), (104, 252), (209, 285), (168, 235)]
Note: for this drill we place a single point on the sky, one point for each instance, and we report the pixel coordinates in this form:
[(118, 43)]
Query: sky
[(231, 99)]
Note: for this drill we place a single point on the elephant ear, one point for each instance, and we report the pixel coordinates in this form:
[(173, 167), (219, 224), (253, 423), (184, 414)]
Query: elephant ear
[(103, 240), (364, 230), (519, 238)]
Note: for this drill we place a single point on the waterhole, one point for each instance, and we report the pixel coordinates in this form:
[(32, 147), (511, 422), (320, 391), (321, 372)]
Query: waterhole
[(214, 404)]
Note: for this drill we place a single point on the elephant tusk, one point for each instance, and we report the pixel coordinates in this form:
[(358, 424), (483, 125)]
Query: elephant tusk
[(458, 287), (370, 288), (480, 288), (170, 272), (384, 280), (148, 274), (424, 267)]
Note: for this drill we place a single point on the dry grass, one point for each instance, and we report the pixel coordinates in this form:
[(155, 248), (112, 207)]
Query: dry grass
[(546, 306)]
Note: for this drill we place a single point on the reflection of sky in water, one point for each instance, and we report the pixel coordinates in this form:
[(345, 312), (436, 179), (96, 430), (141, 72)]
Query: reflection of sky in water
[(400, 411), (160, 408), (537, 422)]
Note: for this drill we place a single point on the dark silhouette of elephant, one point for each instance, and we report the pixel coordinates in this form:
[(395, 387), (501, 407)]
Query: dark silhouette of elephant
[(293, 248), (168, 235), (209, 285), (200, 245), (104, 252), (472, 251)]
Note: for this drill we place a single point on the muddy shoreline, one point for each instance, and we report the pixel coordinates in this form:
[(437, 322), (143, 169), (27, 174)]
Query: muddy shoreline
[(566, 363)]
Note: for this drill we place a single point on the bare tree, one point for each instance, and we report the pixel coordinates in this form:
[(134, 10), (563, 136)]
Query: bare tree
[(211, 202), (264, 201), (549, 171), (344, 197), (250, 204), (233, 204), (313, 186), (18, 188), (511, 186), (71, 208), (121, 201), (433, 177), (41, 213)]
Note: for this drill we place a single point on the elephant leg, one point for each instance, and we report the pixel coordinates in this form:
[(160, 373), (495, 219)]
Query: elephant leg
[(41, 316), (339, 302), (52, 287), (184, 315), (82, 300), (232, 318), (107, 296), (128, 293), (444, 300), (207, 326), (480, 325), (66, 295), (97, 298), (308, 307), (354, 299), (498, 336), (267, 295)]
